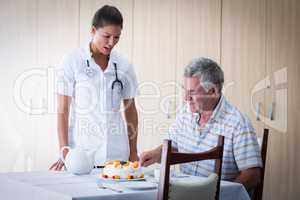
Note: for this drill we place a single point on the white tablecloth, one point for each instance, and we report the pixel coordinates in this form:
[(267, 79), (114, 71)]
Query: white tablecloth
[(65, 186)]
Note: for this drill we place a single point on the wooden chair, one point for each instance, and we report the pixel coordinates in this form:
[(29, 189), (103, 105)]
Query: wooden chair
[(169, 158), (258, 190)]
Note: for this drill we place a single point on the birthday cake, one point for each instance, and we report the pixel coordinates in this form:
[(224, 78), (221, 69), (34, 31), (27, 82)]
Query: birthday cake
[(122, 170)]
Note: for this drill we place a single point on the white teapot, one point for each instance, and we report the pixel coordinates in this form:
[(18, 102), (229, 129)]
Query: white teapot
[(78, 161)]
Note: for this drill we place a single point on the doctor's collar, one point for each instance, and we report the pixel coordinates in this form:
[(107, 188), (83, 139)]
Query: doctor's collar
[(89, 53)]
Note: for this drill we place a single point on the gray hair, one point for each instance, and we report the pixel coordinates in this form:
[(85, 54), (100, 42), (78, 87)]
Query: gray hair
[(208, 71)]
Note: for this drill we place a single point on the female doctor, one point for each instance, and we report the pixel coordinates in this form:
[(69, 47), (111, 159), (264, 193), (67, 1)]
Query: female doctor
[(91, 84)]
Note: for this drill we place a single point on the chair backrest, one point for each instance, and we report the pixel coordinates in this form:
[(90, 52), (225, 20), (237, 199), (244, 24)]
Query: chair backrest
[(258, 190), (169, 158)]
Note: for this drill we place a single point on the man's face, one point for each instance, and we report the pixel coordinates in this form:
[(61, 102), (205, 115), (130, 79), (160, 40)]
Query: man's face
[(105, 38), (196, 96)]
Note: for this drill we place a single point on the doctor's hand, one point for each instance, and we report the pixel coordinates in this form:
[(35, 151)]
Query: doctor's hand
[(150, 157), (59, 165), (133, 157)]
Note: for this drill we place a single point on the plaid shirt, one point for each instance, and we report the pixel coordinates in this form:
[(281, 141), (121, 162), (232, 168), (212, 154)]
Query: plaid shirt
[(241, 149)]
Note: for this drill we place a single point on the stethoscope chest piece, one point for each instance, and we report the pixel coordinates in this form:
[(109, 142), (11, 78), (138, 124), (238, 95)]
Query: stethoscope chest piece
[(88, 70)]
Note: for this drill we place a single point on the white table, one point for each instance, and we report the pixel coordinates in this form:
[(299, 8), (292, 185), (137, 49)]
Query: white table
[(65, 186)]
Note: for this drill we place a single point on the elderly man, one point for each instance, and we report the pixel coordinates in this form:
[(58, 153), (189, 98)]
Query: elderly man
[(206, 115)]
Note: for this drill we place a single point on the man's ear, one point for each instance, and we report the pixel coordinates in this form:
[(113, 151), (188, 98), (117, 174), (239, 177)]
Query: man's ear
[(212, 91), (93, 30)]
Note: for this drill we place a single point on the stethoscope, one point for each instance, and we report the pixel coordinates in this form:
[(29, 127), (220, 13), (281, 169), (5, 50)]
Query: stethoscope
[(117, 80), (90, 73)]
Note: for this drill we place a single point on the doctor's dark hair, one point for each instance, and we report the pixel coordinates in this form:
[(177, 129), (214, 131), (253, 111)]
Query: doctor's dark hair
[(107, 15)]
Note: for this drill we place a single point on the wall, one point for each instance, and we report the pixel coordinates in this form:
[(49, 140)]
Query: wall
[(257, 43)]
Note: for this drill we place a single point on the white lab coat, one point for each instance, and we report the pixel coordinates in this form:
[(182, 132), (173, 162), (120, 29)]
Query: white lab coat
[(95, 118)]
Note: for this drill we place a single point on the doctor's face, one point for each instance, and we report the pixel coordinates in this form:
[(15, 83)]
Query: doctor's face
[(197, 97), (105, 38)]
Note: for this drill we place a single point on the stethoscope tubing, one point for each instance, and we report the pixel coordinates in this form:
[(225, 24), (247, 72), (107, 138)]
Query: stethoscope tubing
[(89, 72)]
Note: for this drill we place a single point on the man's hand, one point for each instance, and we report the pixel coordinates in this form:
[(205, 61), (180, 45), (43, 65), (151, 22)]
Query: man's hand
[(150, 157), (249, 177)]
